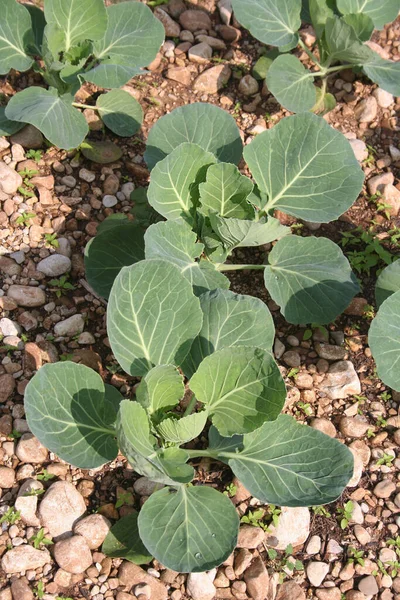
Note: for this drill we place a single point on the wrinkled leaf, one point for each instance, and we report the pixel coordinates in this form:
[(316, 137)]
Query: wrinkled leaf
[(101, 152), (203, 124), (108, 252), (78, 20), (120, 112), (160, 389), (230, 319), (362, 25), (189, 529), (384, 340), (173, 189), (123, 541), (241, 388), (269, 21), (108, 74), (310, 279), (380, 12), (180, 431), (174, 241), (388, 282), (291, 83), (67, 410), (15, 37), (289, 464), (237, 233), (343, 44), (45, 109), (153, 316), (306, 168), (225, 192), (173, 461)]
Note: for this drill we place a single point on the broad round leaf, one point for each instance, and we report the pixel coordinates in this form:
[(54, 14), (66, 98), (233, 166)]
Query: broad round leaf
[(139, 445), (67, 410), (274, 23), (152, 317), (225, 192), (173, 461), (160, 389), (241, 387), (310, 279), (239, 233), (388, 282), (123, 541), (343, 44), (46, 110), (289, 464), (101, 152), (203, 124), (110, 75), (362, 25), (385, 73), (180, 431), (380, 12), (189, 529), (108, 252), (173, 189), (175, 242), (230, 319), (132, 39), (320, 11), (291, 83), (384, 340), (78, 20), (306, 168), (120, 112), (8, 127), (15, 37)]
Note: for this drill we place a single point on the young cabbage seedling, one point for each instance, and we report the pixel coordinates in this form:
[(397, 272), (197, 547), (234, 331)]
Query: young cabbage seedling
[(69, 43), (341, 26)]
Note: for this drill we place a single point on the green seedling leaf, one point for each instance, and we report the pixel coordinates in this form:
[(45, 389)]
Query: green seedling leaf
[(173, 461), (320, 11), (380, 13), (291, 83), (224, 444), (101, 152), (38, 25), (289, 464), (225, 191), (78, 20), (238, 233), (109, 251), (15, 37), (120, 112), (68, 410), (264, 63), (310, 279), (173, 189), (131, 41), (343, 44), (229, 319), (388, 282), (241, 388), (153, 316), (160, 389), (384, 340), (8, 127), (180, 431), (46, 110), (175, 242), (189, 529), (112, 221), (305, 11), (306, 168), (385, 73), (206, 125), (325, 102), (275, 24), (123, 541), (362, 25)]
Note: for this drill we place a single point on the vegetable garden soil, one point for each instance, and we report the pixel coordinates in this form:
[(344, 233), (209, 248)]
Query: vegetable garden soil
[(72, 207)]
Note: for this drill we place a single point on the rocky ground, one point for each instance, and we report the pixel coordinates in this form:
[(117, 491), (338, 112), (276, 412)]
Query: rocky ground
[(53, 517)]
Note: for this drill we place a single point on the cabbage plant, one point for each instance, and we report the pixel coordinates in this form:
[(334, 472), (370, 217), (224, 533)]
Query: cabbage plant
[(72, 42), (342, 27), (302, 167), (384, 334)]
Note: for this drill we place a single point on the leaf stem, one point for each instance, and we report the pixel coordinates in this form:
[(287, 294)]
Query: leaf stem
[(224, 267), (190, 406), (77, 105), (309, 53), (327, 71), (200, 453)]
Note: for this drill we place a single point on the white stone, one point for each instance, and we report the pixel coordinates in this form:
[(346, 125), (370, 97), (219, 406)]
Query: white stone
[(358, 468), (293, 528), (314, 545), (94, 529), (316, 572), (394, 153), (87, 175), (86, 338), (109, 201), (62, 506), (24, 558), (200, 587), (10, 180), (341, 381), (200, 53), (366, 110), (8, 327), (54, 265), (145, 487), (225, 10), (127, 189), (360, 149), (72, 326), (384, 99)]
